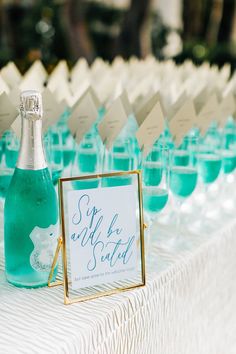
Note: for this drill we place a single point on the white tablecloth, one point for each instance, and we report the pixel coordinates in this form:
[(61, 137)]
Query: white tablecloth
[(188, 306)]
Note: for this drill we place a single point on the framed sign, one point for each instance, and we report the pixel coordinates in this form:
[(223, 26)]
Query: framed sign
[(102, 235)]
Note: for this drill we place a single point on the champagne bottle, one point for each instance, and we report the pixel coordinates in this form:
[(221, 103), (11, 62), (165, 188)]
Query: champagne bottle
[(31, 208)]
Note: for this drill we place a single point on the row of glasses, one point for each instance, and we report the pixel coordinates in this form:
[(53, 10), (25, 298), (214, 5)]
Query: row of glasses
[(169, 173), (207, 162)]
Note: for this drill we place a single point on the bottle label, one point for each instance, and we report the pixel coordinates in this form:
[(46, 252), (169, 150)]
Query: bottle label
[(45, 243)]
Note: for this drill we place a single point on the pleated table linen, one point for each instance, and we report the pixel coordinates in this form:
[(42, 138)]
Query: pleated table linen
[(188, 306)]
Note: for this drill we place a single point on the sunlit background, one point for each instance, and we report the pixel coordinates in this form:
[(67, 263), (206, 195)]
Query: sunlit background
[(52, 30)]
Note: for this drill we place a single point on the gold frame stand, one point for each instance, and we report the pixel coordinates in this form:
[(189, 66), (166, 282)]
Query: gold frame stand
[(61, 245)]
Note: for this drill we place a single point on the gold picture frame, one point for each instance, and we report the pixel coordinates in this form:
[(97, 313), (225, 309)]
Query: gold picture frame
[(62, 244)]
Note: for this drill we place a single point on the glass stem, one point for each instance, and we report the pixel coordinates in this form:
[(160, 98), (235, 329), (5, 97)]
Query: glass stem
[(179, 203)]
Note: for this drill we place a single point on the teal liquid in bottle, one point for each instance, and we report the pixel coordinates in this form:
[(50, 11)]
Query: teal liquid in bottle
[(31, 208)]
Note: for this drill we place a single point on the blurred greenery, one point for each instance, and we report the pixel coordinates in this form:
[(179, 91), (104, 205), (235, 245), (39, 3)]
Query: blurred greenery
[(43, 31)]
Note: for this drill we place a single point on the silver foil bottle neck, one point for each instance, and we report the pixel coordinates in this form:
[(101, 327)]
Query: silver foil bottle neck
[(31, 105), (31, 156)]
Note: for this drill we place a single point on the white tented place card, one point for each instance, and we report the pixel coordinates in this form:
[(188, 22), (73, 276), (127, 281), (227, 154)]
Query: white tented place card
[(86, 89), (83, 116), (8, 113), (173, 109), (31, 81), (151, 129), (99, 69), (11, 74), (200, 99), (140, 101), (225, 72), (80, 67), (112, 123), (16, 127), (146, 108), (61, 90), (227, 108), (103, 254), (52, 109), (60, 71), (79, 91), (37, 70), (141, 88), (182, 121), (14, 96), (207, 114), (104, 87), (3, 86)]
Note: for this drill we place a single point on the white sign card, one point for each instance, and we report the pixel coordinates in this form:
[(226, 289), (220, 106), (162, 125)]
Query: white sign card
[(102, 242)]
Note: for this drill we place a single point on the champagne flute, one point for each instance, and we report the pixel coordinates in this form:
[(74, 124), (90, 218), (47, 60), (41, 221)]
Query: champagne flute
[(155, 169), (183, 181)]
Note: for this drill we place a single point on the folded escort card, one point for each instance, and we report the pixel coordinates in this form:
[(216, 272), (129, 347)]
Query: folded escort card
[(183, 120), (207, 114), (8, 113), (84, 114), (151, 129)]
